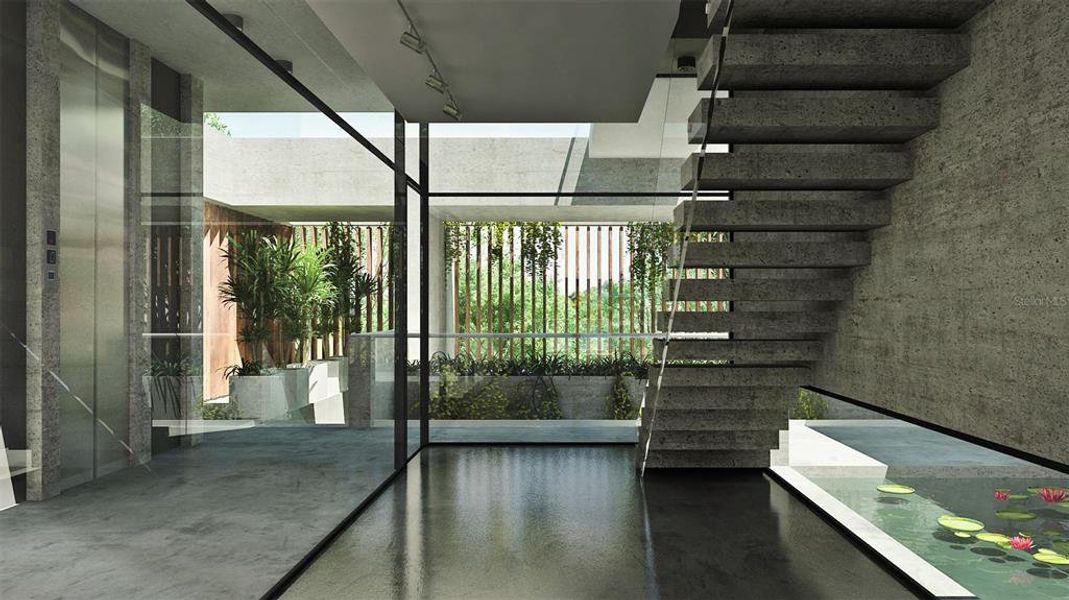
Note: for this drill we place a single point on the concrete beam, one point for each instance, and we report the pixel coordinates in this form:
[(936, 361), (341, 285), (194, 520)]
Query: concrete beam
[(782, 120), (835, 60)]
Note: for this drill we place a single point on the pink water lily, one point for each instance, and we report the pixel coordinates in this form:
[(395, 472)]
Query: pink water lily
[(1002, 495), (1050, 495), (1021, 543)]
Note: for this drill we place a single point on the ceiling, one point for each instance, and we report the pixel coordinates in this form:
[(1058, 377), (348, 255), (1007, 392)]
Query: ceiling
[(234, 81), (511, 60)]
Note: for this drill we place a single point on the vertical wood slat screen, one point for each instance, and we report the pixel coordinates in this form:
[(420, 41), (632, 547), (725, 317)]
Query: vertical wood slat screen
[(593, 263)]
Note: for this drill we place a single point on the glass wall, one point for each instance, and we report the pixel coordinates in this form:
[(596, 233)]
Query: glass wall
[(555, 239), (199, 368)]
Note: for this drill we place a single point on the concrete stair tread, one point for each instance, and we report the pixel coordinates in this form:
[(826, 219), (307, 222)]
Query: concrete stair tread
[(851, 13), (799, 171), (774, 255), (745, 351), (757, 322), (726, 398), (762, 290), (733, 375), (839, 59), (686, 459), (788, 120), (855, 214)]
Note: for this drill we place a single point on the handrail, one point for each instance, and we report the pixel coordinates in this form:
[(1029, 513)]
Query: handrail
[(687, 223)]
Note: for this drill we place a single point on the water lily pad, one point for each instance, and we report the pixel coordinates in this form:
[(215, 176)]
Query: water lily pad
[(962, 534), (1015, 515), (1019, 496), (960, 523), (895, 488), (994, 538), (1051, 559), (1046, 551), (1035, 490)]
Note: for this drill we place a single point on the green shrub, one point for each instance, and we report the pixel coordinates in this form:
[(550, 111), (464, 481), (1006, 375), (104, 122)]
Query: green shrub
[(620, 405), (213, 411), (810, 406), (487, 401)]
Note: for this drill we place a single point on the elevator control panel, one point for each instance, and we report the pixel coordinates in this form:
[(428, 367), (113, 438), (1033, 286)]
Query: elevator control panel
[(51, 254)]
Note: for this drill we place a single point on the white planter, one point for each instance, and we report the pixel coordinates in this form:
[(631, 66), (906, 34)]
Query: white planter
[(260, 397)]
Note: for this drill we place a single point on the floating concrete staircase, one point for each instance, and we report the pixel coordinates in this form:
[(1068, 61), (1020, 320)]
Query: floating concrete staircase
[(825, 96)]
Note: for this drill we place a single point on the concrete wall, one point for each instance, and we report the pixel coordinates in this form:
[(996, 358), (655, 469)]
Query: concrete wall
[(962, 319)]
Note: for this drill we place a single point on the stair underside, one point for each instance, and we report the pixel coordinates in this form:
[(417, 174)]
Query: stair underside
[(849, 13), (775, 254), (787, 120), (786, 215), (800, 171), (835, 59)]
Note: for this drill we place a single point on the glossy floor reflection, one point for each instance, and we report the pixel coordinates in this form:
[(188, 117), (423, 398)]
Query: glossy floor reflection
[(574, 522)]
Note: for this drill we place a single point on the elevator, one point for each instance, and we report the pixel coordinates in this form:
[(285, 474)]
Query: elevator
[(91, 242)]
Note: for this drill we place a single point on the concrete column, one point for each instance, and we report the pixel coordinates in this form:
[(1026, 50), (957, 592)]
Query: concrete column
[(42, 214), (138, 180), (361, 374)]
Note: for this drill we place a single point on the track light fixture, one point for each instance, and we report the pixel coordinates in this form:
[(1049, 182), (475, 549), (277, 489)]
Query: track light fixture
[(452, 110), (412, 41), (436, 83)]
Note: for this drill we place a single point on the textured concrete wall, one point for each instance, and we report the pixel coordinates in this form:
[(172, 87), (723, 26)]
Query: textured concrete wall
[(962, 319)]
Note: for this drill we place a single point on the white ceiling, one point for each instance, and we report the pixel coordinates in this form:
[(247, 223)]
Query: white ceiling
[(511, 60), (234, 81)]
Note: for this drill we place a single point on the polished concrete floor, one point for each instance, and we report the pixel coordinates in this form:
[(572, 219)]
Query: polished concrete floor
[(224, 519), (575, 522)]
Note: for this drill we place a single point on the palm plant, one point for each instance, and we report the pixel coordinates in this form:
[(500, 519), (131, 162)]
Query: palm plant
[(307, 294), (255, 284)]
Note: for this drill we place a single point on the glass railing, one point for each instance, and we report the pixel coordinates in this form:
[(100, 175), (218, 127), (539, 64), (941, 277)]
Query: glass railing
[(958, 517)]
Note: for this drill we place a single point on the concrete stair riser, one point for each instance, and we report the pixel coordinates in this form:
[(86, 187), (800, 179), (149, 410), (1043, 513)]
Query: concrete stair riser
[(800, 171), (835, 59), (750, 322), (920, 14), (728, 376), (718, 419), (788, 120), (773, 255), (763, 290), (744, 351), (725, 398), (741, 439), (786, 215)]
